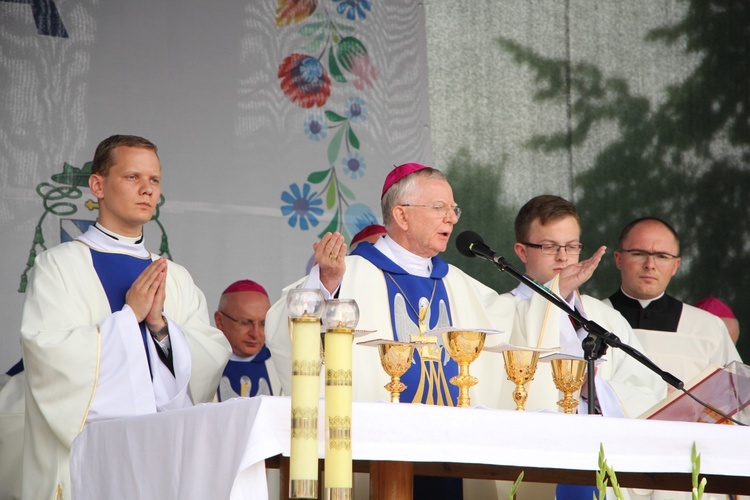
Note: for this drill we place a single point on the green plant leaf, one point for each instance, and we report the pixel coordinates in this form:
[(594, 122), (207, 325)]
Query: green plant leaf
[(318, 177), (330, 228), (346, 192), (514, 488), (353, 140), (334, 117), (614, 482), (311, 28), (348, 49), (314, 44), (698, 487), (331, 195), (334, 146), (333, 67)]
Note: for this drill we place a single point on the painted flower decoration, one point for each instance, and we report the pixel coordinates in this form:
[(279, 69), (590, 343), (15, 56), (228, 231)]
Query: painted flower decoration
[(358, 216), (301, 205), (315, 127), (353, 8), (355, 109), (304, 80), (363, 70), (354, 165), (294, 11)]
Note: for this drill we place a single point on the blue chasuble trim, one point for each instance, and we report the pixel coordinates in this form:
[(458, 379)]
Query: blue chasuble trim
[(427, 379)]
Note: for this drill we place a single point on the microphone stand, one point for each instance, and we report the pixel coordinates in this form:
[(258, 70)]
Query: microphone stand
[(595, 345)]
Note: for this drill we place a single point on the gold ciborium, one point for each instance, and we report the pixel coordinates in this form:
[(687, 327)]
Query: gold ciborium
[(520, 367), (396, 359), (568, 377), (463, 347)]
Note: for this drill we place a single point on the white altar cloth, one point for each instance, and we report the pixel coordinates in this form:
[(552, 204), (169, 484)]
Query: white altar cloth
[(218, 450)]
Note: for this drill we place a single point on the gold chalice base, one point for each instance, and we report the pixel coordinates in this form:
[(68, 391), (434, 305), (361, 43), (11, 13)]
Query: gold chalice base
[(464, 347), (395, 359), (520, 366), (568, 377)]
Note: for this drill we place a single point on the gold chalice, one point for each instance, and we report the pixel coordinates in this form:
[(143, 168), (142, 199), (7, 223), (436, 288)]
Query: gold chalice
[(396, 359), (463, 347), (568, 377), (520, 367)]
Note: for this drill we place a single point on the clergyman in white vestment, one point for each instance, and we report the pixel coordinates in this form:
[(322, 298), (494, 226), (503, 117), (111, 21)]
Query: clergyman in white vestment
[(110, 330)]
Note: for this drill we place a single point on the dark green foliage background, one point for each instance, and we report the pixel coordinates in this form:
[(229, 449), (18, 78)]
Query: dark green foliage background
[(685, 160)]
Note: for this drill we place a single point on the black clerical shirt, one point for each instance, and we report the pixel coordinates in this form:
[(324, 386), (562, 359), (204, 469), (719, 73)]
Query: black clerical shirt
[(662, 314)]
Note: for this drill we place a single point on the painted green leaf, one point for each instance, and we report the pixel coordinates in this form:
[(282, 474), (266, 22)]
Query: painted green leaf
[(332, 226), (335, 145), (348, 49), (344, 28), (314, 44), (333, 67), (353, 140), (311, 28), (331, 195), (346, 191), (318, 177), (334, 117)]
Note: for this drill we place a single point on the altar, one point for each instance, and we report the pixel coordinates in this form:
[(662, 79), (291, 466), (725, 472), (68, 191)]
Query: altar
[(220, 450)]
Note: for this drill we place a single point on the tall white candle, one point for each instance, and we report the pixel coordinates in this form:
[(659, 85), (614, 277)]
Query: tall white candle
[(305, 307)]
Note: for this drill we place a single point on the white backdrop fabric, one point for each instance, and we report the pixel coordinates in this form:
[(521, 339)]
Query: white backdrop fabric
[(203, 80)]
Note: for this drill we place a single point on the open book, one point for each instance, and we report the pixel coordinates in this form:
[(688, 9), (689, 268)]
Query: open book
[(726, 389)]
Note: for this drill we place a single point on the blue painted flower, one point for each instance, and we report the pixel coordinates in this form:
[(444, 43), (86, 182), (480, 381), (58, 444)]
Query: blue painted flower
[(355, 109), (315, 127), (354, 165), (302, 206), (357, 217), (353, 8)]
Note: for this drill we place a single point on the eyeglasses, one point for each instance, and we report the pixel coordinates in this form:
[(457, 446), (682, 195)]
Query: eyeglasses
[(246, 322), (441, 209), (552, 249), (641, 256)]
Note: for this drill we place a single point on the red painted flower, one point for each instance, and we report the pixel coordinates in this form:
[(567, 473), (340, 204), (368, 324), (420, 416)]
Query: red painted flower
[(294, 11), (304, 80)]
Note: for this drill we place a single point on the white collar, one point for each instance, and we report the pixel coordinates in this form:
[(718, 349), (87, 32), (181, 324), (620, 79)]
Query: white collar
[(242, 359), (411, 263), (100, 238), (644, 302), (522, 291)]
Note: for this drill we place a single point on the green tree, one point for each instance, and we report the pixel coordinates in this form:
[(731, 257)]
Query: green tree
[(685, 160), (475, 189)]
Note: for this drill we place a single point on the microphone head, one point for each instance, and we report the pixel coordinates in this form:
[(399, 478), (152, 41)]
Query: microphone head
[(464, 242)]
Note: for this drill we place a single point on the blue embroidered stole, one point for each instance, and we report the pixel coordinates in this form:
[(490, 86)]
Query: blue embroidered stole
[(427, 380), (249, 378), (117, 272)]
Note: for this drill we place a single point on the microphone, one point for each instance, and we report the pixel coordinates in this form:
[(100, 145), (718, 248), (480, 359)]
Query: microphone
[(470, 244)]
